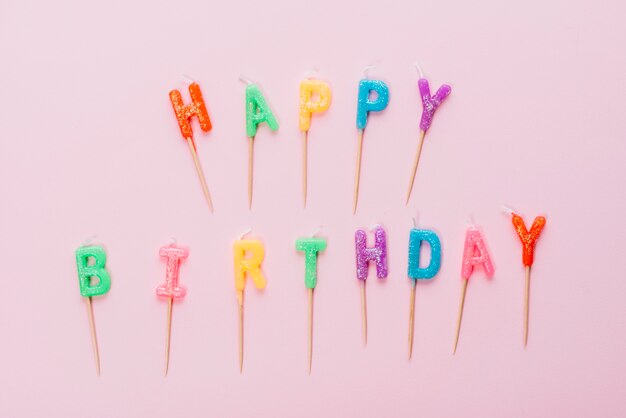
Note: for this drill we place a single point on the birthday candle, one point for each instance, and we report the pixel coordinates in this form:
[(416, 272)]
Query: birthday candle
[(308, 106), (475, 253), (184, 112), (366, 105), (416, 239), (365, 255), (88, 289), (257, 112), (528, 239), (311, 248), (429, 106), (171, 289), (247, 265)]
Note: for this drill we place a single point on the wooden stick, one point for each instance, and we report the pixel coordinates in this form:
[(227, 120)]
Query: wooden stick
[(526, 303), (458, 322), (415, 163), (357, 179), (412, 317), (250, 169), (364, 313), (310, 329), (240, 302), (196, 161), (168, 338), (94, 338), (304, 164)]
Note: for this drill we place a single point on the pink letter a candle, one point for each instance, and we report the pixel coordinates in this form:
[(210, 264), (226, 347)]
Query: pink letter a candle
[(475, 254)]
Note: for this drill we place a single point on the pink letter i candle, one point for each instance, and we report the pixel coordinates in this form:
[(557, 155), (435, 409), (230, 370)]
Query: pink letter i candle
[(171, 290)]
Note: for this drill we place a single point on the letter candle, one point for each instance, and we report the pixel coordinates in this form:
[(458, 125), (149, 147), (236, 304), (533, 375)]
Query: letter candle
[(311, 248), (248, 256), (365, 105), (171, 290), (365, 255), (184, 113), (417, 237), (429, 106), (87, 270), (475, 253), (257, 112), (308, 106), (528, 239)]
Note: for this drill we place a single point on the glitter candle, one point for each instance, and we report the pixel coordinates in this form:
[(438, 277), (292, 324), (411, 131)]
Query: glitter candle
[(184, 113), (366, 104), (173, 256), (475, 253), (377, 253), (88, 288), (86, 271), (171, 290), (528, 239), (416, 238), (311, 247), (257, 111), (252, 266), (308, 89), (430, 103), (429, 106)]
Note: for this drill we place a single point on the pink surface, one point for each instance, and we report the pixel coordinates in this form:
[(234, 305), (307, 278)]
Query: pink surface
[(90, 146)]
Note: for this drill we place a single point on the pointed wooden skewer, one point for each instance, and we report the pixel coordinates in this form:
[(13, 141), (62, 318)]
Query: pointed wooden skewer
[(250, 169), (94, 337), (304, 164), (458, 322), (168, 338), (415, 163), (364, 313), (310, 328), (196, 161), (358, 169), (240, 302), (412, 317), (526, 300)]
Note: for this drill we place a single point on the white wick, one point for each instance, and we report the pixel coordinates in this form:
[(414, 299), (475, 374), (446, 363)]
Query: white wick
[(246, 232), (419, 70)]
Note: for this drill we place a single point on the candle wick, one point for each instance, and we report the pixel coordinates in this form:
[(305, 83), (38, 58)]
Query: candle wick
[(508, 210), (88, 241), (419, 70), (245, 79), (376, 225), (246, 232), (188, 79), (366, 70), (317, 231)]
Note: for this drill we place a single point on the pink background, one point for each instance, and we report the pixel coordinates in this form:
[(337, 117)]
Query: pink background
[(90, 147)]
